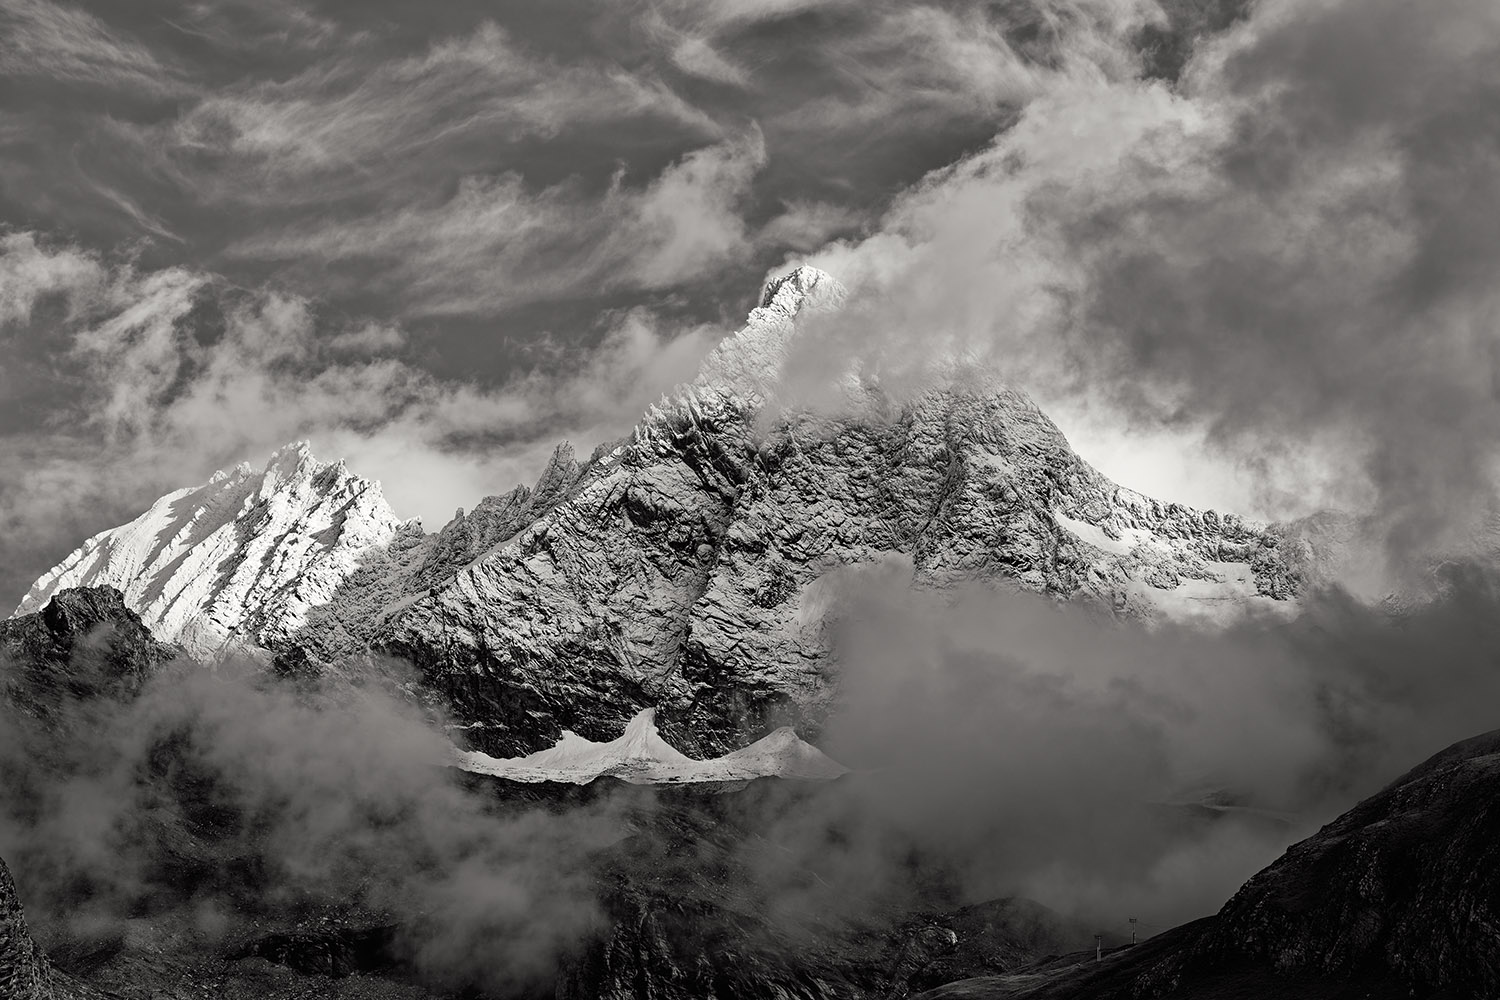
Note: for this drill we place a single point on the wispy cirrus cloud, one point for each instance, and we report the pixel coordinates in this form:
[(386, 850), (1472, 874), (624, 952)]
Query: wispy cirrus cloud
[(495, 243), (317, 142), (343, 126), (257, 24), (43, 39)]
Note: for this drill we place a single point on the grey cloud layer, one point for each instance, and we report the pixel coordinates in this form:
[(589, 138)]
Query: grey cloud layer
[(342, 128), (1294, 255)]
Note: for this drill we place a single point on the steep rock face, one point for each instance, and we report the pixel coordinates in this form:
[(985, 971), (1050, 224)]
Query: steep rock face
[(238, 561), (25, 973), (690, 567), (23, 968)]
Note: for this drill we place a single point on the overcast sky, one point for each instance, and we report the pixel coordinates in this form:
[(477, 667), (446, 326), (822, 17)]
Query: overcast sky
[(435, 239)]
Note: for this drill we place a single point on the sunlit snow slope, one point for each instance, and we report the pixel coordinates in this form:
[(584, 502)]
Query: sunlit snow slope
[(238, 561)]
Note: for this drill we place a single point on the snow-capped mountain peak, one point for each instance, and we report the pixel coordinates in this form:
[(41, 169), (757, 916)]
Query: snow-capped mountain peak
[(748, 364), (236, 562)]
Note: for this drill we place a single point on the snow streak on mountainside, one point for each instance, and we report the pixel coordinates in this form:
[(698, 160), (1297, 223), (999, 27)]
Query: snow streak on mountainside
[(238, 561), (691, 567), (641, 756)]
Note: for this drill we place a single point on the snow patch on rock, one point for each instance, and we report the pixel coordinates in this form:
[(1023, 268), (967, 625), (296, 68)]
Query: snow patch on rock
[(642, 757)]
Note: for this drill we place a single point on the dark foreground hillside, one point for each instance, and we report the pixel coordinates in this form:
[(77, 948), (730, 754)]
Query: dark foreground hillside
[(1399, 897), (680, 892), (650, 893)]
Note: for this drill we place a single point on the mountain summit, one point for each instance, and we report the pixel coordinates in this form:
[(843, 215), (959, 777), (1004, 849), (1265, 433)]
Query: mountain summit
[(688, 567), (238, 561)]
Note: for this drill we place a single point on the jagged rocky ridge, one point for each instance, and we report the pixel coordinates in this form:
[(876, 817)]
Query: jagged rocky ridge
[(84, 643), (690, 567), (239, 561)]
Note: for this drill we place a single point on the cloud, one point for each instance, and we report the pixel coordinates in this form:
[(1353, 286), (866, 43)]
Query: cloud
[(319, 802), (43, 39), (163, 376), (262, 24), (345, 125), (697, 57), (1008, 744), (864, 65), (1291, 253), (313, 141), (495, 244), (30, 274), (808, 225)]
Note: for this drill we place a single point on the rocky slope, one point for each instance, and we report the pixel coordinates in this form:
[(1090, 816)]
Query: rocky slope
[(1399, 897), (693, 566), (691, 912), (25, 973)]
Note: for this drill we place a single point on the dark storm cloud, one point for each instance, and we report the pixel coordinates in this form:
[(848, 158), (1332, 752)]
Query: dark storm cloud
[(1334, 266), (1015, 745)]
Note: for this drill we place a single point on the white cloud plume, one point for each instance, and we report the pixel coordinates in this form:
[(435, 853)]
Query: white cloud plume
[(1289, 257)]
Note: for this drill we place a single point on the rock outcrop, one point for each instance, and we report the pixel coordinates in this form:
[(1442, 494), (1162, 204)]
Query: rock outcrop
[(1404, 886), (83, 642), (25, 973)]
